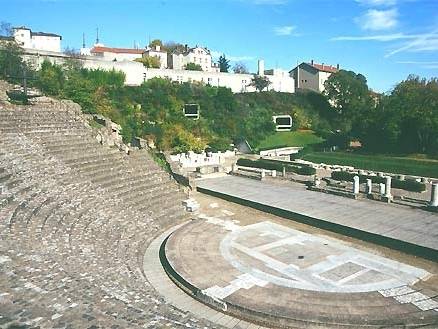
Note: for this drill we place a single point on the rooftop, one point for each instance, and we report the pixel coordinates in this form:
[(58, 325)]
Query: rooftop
[(324, 68), (117, 50), (42, 34)]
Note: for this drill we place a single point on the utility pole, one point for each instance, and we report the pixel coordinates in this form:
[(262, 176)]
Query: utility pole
[(25, 81)]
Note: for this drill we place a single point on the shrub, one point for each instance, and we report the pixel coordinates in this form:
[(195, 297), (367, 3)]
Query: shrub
[(306, 171), (275, 165), (408, 185)]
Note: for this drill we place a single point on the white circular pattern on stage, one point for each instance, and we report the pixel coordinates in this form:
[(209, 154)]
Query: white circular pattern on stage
[(271, 253)]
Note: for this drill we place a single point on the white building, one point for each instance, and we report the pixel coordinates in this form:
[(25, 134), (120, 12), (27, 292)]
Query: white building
[(311, 76), (157, 52), (196, 55), (37, 40), (116, 54), (136, 73)]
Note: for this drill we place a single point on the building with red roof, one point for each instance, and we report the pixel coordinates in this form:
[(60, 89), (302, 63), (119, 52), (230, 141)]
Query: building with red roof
[(311, 76), (116, 54)]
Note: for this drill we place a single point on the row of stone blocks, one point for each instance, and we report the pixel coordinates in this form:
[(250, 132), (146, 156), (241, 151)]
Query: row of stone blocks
[(76, 218)]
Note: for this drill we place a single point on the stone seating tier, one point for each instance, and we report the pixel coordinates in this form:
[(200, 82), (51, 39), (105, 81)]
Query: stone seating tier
[(73, 232)]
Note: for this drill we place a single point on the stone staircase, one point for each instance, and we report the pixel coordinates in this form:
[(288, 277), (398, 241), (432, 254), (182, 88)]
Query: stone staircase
[(75, 220)]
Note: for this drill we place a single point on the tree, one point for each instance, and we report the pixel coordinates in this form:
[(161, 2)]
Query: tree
[(156, 42), (193, 67), (259, 82), (171, 47), (347, 91), (240, 68), (72, 52), (12, 66), (224, 64), (149, 61), (5, 29), (408, 118), (51, 78), (350, 98)]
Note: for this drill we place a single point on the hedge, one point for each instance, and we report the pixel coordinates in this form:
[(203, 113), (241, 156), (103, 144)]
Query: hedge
[(408, 184), (272, 165)]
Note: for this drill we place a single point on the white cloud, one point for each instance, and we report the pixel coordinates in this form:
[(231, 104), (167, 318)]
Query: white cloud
[(379, 37), (422, 42), (375, 3), (284, 30), (217, 54), (426, 65), (376, 20)]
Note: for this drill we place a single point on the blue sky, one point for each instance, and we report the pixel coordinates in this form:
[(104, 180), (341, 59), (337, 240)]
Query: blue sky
[(383, 39)]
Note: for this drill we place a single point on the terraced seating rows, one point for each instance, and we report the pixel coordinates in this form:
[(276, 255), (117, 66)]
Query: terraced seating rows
[(75, 220)]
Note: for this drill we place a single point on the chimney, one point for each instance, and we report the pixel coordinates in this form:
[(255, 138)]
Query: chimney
[(311, 62), (157, 47), (261, 65), (186, 47), (322, 66), (337, 66)]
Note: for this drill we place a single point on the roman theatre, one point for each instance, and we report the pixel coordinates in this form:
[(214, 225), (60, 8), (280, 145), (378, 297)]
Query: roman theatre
[(95, 235)]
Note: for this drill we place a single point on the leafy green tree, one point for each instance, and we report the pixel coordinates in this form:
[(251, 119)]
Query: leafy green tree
[(12, 65), (351, 101), (155, 42), (149, 61), (348, 92), (224, 63), (50, 78), (260, 83), (171, 47), (193, 67), (407, 119)]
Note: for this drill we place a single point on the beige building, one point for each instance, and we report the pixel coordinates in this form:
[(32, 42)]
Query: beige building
[(311, 76)]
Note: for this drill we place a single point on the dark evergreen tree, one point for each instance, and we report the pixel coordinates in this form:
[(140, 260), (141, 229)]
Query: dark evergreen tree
[(224, 63)]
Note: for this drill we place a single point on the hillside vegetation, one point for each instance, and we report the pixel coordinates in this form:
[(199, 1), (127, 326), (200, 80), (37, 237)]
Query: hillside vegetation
[(154, 110), (299, 138), (400, 165), (404, 121)]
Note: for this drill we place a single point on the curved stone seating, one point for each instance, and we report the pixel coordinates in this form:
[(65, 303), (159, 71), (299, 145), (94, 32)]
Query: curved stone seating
[(73, 231)]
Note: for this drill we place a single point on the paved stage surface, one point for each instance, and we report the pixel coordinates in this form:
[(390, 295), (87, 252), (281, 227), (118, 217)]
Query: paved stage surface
[(414, 226), (295, 276)]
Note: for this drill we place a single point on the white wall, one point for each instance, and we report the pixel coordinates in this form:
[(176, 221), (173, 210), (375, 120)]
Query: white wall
[(136, 73), (110, 56), (48, 43), (25, 39), (322, 77)]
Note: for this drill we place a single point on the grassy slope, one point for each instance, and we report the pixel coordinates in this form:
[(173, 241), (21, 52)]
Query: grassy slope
[(401, 165), (290, 138)]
